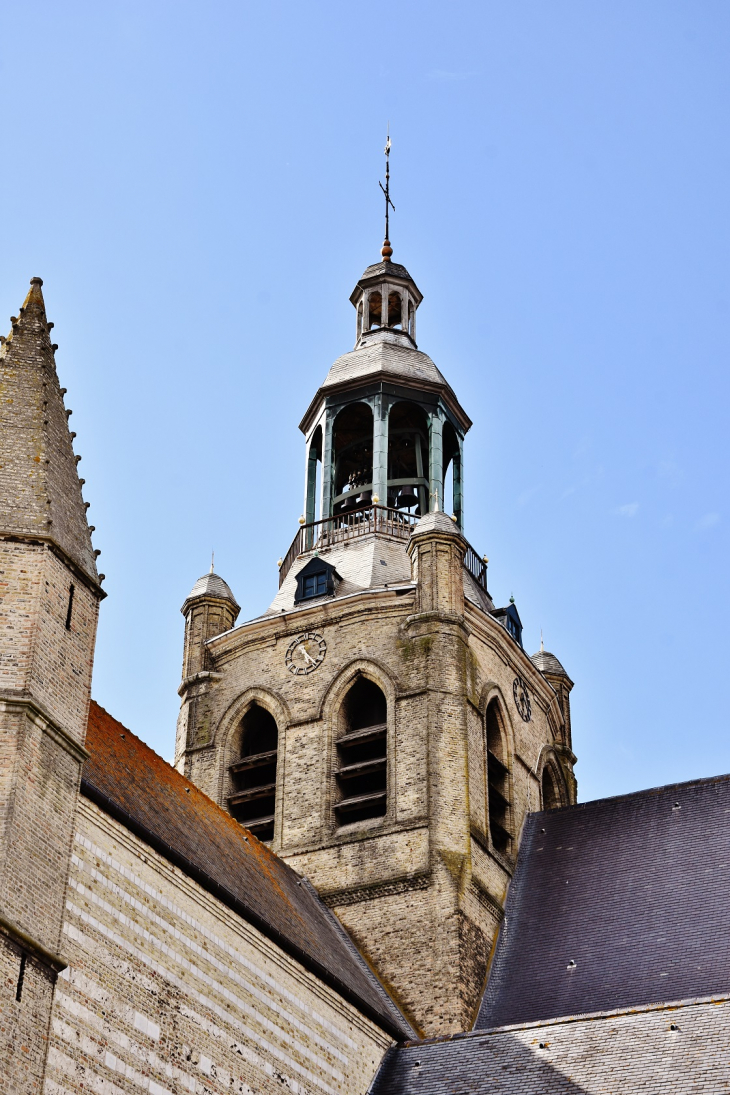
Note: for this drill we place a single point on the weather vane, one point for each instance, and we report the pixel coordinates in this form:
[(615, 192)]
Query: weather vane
[(387, 250)]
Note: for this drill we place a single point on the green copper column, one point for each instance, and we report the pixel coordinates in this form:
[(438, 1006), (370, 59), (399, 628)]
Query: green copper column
[(459, 485), (328, 465), (435, 460), (380, 449)]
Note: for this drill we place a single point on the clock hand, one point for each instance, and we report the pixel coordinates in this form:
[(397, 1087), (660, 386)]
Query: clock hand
[(309, 658)]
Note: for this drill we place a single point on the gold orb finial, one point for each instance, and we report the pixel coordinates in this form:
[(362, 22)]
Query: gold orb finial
[(386, 250)]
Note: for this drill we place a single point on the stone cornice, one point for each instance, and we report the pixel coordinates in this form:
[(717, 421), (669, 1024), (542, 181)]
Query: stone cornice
[(49, 542), (46, 722), (31, 946)]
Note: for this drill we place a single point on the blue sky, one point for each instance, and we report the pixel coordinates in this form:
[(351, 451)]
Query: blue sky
[(197, 186)]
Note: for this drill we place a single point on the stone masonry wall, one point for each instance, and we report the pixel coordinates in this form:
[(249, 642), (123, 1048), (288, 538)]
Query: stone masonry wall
[(421, 889), (168, 991)]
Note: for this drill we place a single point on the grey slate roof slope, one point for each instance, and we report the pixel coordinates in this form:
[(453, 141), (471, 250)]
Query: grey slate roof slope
[(634, 890), (547, 663), (384, 358), (626, 1054), (131, 783), (212, 585), (40, 490)]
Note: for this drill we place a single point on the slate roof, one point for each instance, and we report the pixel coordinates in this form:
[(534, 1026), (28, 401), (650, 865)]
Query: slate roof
[(381, 359), (626, 1054), (547, 663), (634, 890), (212, 585), (133, 784), (383, 269)]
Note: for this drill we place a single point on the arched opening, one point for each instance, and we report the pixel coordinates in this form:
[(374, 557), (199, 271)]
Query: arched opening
[(375, 310), (353, 453), (254, 774), (408, 458), (550, 793), (452, 472), (362, 757), (497, 780), (314, 465), (395, 309)]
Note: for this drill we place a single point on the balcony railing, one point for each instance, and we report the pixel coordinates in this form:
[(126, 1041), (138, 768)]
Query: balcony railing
[(395, 524)]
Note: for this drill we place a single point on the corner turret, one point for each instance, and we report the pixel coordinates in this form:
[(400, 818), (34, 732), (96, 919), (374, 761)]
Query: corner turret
[(209, 610)]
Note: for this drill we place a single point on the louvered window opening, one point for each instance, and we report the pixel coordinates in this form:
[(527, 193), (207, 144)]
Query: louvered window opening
[(362, 758), (253, 777), (498, 785)]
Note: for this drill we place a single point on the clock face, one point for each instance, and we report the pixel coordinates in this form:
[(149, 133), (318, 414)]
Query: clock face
[(522, 699), (305, 653)]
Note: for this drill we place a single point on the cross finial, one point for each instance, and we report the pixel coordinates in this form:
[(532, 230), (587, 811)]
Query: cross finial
[(542, 646), (212, 561), (387, 250)]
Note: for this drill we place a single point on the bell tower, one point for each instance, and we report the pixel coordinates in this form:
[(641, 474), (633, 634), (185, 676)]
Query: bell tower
[(380, 724), (49, 598)]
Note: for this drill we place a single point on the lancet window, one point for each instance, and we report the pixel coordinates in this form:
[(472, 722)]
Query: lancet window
[(498, 791), (362, 765), (254, 775)]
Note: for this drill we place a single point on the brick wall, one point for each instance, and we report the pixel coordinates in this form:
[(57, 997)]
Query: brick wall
[(168, 991)]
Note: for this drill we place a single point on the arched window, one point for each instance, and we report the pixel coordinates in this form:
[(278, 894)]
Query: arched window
[(395, 310), (254, 775), (550, 793), (362, 764), (497, 781)]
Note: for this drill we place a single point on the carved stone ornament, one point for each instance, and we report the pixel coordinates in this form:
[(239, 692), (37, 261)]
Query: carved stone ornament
[(522, 699), (305, 653)]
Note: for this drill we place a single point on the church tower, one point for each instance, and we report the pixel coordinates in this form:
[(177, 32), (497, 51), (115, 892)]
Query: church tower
[(50, 593), (381, 724)]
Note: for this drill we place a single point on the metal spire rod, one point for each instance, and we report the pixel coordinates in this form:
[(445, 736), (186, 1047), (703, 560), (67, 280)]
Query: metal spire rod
[(388, 203)]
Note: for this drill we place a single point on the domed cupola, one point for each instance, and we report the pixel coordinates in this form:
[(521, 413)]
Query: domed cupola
[(386, 298), (385, 429)]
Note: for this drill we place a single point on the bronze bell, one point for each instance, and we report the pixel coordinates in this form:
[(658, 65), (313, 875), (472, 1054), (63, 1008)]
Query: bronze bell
[(407, 497)]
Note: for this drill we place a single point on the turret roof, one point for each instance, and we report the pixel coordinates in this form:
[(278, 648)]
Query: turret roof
[(547, 663), (212, 585), (40, 491)]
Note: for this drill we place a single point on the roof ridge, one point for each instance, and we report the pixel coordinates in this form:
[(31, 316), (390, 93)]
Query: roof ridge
[(636, 794)]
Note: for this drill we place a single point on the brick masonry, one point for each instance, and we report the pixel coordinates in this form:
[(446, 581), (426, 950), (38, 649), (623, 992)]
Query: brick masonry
[(169, 991)]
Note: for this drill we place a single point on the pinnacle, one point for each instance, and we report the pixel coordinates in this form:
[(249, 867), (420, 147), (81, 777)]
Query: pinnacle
[(40, 490)]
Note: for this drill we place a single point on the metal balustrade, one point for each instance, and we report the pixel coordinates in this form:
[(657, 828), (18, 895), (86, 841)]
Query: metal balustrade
[(394, 524)]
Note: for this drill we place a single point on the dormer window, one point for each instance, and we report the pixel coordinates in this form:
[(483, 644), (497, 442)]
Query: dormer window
[(317, 579), (510, 620)]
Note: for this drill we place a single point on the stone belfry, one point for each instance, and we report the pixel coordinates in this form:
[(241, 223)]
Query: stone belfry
[(49, 598), (381, 724)]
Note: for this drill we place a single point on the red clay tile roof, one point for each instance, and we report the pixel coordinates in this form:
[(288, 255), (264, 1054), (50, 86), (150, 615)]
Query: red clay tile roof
[(129, 781)]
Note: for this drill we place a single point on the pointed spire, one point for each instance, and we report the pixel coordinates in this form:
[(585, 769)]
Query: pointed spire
[(40, 491)]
